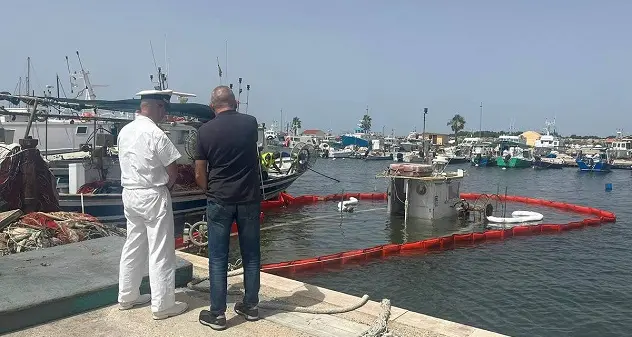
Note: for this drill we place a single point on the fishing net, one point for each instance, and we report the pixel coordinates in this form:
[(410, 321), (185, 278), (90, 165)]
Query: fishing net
[(12, 182), (184, 182), (40, 230)]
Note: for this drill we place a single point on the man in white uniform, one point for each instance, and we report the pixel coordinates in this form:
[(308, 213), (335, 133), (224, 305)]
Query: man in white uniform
[(148, 173)]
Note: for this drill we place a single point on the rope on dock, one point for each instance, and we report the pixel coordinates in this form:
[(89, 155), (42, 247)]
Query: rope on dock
[(379, 328)]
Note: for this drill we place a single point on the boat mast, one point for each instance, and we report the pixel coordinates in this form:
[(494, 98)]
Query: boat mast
[(90, 95), (28, 76)]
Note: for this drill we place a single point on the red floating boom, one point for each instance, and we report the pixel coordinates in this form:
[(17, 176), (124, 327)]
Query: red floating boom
[(440, 243), (433, 244)]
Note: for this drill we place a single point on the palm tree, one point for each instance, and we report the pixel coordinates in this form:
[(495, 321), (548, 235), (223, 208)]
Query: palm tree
[(457, 123), (296, 124), (365, 123)]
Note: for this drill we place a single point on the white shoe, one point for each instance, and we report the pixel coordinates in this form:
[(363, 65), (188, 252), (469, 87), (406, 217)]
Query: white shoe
[(175, 310), (142, 299)]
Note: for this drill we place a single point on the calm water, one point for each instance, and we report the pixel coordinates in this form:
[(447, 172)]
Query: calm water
[(570, 284)]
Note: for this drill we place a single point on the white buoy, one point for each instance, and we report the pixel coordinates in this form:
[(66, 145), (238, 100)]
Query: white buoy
[(517, 217), (348, 205)]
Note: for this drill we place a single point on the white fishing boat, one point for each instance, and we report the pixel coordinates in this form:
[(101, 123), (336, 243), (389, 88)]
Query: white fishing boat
[(93, 183), (347, 152), (65, 130), (548, 142)]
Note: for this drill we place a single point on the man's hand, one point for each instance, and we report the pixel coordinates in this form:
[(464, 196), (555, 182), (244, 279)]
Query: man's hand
[(201, 174)]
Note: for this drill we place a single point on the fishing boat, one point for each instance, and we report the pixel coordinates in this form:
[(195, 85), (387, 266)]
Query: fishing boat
[(600, 162), (514, 152), (94, 188), (540, 163), (66, 130), (347, 152), (483, 160), (378, 156), (515, 157)]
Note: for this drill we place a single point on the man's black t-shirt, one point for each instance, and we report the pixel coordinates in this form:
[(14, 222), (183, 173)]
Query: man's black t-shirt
[(229, 144)]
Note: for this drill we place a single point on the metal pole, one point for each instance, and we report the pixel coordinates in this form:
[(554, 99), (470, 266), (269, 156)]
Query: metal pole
[(31, 119), (423, 137), (480, 122), (505, 207)]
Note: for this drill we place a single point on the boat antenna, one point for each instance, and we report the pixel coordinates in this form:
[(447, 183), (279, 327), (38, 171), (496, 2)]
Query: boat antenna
[(151, 46), (219, 71), (166, 59), (247, 96), (70, 77), (86, 80)]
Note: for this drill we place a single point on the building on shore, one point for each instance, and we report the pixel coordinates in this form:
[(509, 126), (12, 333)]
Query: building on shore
[(531, 137)]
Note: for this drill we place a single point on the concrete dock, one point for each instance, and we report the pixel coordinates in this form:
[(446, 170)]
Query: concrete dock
[(109, 321)]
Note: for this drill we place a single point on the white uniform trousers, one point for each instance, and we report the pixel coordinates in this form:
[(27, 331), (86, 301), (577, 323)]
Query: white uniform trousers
[(150, 238)]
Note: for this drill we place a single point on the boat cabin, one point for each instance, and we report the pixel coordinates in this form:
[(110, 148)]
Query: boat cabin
[(548, 141), (512, 139), (621, 148)]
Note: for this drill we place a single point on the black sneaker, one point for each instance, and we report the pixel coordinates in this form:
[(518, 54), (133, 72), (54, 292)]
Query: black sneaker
[(249, 313), (215, 322)]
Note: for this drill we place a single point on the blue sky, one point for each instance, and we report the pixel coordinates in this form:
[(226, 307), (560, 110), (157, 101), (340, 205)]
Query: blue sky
[(325, 61)]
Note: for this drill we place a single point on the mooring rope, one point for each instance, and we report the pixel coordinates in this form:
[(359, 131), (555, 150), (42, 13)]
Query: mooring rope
[(379, 328)]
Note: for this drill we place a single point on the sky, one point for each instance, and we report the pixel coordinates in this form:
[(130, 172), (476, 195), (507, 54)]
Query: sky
[(326, 61)]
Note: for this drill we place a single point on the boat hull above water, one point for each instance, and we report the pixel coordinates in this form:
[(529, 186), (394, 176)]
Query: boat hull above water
[(108, 208), (547, 163), (513, 162), (483, 161), (601, 167)]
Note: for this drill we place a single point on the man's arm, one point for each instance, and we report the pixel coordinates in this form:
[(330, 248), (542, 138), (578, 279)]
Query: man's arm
[(168, 154), (201, 178), (201, 164)]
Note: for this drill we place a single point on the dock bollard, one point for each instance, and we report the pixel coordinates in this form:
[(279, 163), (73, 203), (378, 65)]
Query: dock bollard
[(608, 187)]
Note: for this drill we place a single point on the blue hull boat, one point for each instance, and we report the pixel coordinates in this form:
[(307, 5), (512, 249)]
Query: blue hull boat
[(483, 161), (594, 164), (596, 167)]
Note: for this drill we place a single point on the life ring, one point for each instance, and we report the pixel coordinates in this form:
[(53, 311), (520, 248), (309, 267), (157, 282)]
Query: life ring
[(421, 189), (518, 217)]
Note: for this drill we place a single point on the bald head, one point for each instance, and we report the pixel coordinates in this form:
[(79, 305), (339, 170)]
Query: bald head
[(223, 99)]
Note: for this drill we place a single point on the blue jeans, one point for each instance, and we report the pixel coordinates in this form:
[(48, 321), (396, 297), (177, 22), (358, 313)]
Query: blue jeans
[(220, 219)]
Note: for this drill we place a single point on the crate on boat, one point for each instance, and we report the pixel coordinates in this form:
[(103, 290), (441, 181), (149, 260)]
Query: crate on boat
[(410, 170)]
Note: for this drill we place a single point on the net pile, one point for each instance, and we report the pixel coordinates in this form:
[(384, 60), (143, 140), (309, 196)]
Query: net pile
[(101, 187), (186, 178), (184, 182), (12, 181), (41, 230)]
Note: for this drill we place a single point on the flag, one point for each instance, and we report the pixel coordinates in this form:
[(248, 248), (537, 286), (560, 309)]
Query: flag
[(219, 69)]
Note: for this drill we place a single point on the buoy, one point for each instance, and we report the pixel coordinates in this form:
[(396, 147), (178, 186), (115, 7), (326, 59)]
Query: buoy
[(348, 205), (608, 187)]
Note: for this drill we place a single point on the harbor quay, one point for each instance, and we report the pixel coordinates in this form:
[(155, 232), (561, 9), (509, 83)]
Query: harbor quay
[(79, 299)]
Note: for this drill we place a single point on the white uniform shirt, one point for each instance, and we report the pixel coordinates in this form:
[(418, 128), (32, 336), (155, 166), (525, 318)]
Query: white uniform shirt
[(144, 152)]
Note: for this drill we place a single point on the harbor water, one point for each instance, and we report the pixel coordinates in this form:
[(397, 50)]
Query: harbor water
[(569, 284)]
